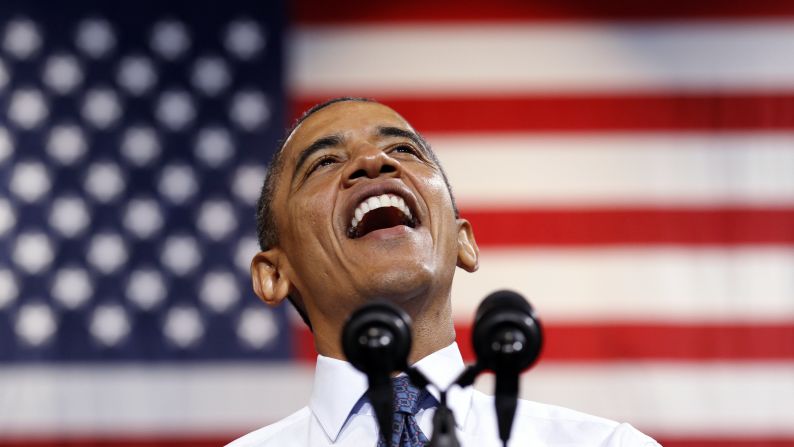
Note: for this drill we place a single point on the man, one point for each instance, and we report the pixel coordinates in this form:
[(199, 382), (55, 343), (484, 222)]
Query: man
[(356, 207)]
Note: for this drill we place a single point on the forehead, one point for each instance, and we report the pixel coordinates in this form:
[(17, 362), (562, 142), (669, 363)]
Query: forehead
[(343, 118)]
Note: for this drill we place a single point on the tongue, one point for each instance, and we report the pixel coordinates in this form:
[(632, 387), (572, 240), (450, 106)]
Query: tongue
[(379, 219)]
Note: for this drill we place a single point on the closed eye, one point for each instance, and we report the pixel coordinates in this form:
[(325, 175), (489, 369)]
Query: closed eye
[(321, 162)]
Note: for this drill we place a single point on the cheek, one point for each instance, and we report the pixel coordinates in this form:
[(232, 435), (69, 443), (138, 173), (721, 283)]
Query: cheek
[(311, 217), (306, 218), (440, 202), (436, 185), (311, 241), (444, 220)]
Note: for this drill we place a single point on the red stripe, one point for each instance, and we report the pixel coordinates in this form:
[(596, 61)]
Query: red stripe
[(589, 112), (724, 226), (653, 341), (362, 11), (218, 441), (639, 342)]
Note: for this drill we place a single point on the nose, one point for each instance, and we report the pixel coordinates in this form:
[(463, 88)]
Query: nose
[(370, 163)]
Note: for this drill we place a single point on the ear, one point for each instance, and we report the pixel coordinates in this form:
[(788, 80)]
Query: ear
[(271, 284), (468, 252)]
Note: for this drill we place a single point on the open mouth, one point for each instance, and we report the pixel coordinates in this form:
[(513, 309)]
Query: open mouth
[(380, 212)]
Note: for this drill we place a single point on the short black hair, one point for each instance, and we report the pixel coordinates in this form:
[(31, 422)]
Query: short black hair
[(267, 233)]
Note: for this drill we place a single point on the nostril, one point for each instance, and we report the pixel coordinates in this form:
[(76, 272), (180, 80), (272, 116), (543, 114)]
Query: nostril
[(385, 169), (358, 173)]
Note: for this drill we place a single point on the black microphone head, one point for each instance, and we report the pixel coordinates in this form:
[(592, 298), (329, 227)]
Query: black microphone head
[(506, 335), (377, 338)]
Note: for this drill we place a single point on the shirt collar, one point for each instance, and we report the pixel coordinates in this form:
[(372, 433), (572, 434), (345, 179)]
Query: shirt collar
[(338, 386), (442, 368)]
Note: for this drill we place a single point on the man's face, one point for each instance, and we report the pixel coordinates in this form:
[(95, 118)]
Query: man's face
[(363, 212)]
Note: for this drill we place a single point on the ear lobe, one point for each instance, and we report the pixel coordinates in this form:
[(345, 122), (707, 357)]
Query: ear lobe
[(270, 283), (468, 252)]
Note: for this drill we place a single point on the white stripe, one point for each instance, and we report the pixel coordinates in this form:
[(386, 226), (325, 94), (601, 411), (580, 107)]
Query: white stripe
[(681, 399), (136, 400), (713, 399), (749, 284), (512, 58), (615, 169)]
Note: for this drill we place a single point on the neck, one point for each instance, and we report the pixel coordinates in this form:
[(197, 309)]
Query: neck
[(432, 329)]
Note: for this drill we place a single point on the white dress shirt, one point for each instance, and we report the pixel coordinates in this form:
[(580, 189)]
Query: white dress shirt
[(339, 415)]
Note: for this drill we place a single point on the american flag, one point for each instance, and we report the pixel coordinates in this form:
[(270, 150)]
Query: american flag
[(628, 167), (133, 142)]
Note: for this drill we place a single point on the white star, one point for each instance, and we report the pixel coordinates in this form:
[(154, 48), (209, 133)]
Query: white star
[(8, 216), (69, 215), (175, 109), (216, 219), (249, 109), (33, 252), (27, 108), (210, 75), (140, 145), (177, 183), (214, 146), (146, 288), (244, 39), (95, 37), (62, 73), (143, 217), (22, 38), (9, 289), (101, 107), (109, 324), (104, 181), (30, 181), (6, 145), (257, 327), (219, 290), (247, 247), (66, 144), (136, 74), (72, 287), (107, 252), (170, 39), (180, 254), (247, 183), (35, 324), (183, 326)]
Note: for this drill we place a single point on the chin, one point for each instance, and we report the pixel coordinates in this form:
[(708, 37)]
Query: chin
[(400, 283)]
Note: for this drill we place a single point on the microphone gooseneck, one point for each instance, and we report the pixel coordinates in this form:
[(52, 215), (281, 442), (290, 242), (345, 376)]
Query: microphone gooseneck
[(376, 340), (507, 339)]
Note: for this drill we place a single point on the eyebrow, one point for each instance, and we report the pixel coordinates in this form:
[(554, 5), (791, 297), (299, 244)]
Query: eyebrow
[(398, 132), (318, 145), (338, 140)]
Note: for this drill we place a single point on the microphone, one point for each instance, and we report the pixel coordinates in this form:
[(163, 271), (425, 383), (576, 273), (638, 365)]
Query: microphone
[(376, 340), (507, 339)]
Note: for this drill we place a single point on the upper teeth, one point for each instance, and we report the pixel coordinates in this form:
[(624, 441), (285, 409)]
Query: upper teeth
[(375, 202)]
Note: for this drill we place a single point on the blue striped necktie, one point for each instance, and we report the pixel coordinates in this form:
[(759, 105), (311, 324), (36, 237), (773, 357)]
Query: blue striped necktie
[(405, 429)]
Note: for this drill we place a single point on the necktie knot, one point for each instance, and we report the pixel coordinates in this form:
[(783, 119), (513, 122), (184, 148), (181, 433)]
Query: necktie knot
[(405, 429), (406, 396)]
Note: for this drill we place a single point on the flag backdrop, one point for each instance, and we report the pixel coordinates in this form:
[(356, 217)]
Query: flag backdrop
[(630, 169)]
